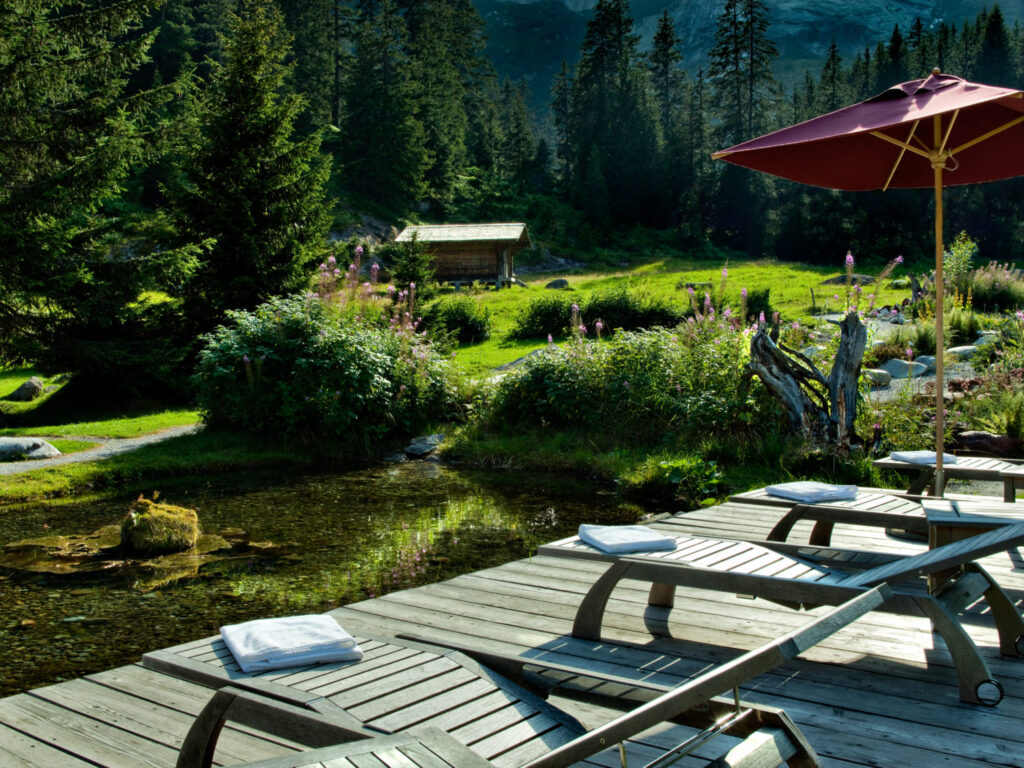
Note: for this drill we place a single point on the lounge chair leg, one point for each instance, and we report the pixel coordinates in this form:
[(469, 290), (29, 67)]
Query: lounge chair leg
[(922, 481), (201, 741), (662, 595), (976, 683), (1008, 621), (590, 614), (821, 534), (782, 528)]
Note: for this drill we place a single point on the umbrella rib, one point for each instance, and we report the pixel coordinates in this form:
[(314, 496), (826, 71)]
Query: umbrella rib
[(903, 144), (899, 158), (989, 135)]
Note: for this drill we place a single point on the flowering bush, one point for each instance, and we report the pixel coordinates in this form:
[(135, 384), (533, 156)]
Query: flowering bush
[(642, 385), (297, 367), (996, 287)]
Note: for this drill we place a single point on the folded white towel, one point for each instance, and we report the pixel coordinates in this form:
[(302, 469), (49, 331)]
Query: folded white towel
[(921, 457), (289, 641), (620, 539), (812, 492)]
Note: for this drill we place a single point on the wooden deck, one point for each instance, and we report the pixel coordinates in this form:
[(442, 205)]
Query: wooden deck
[(879, 693)]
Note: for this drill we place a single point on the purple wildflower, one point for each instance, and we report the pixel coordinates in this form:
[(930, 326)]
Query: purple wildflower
[(743, 293), (550, 340), (898, 260), (760, 319), (910, 353), (359, 250), (849, 260), (245, 359), (331, 260), (725, 272)]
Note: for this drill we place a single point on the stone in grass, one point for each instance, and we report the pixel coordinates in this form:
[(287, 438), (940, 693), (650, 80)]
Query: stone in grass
[(928, 361), (559, 284), (965, 352), (29, 390), (903, 369), (877, 377), (152, 528), (17, 448)]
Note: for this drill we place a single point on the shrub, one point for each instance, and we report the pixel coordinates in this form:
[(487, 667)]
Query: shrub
[(643, 385), (996, 288), (549, 313), (293, 367), (687, 481), (463, 317), (618, 309), (956, 262), (409, 263)]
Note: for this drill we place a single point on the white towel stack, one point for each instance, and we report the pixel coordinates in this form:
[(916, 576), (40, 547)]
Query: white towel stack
[(620, 539), (921, 457), (812, 492), (289, 641)]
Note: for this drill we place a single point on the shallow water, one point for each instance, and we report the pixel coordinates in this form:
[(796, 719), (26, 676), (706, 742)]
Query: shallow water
[(340, 538)]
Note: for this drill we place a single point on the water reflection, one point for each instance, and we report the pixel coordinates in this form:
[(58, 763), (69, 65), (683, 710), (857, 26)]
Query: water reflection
[(314, 542)]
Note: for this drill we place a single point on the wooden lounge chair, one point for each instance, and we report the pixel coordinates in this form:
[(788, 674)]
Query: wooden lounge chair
[(881, 509), (938, 583), (1009, 473), (290, 714)]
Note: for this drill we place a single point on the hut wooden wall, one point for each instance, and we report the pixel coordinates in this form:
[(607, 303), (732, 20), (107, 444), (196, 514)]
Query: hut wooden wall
[(465, 261)]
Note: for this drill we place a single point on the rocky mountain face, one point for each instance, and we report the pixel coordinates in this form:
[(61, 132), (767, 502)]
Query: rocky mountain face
[(530, 38)]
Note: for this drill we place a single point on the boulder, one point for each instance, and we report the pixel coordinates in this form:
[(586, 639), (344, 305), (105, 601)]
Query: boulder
[(877, 377), (558, 284), (898, 318), (29, 390), (964, 353), (152, 528), (988, 444), (903, 369), (928, 361), (424, 446), (18, 448), (986, 337), (855, 279)]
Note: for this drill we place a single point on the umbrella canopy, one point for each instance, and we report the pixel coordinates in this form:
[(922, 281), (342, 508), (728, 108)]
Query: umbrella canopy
[(935, 132)]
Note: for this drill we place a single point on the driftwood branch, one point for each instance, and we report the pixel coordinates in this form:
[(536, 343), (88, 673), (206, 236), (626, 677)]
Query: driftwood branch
[(822, 410)]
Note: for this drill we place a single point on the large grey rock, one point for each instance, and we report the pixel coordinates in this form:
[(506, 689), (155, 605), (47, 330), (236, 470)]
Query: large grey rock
[(558, 284), (16, 448), (877, 377), (964, 353), (986, 337), (424, 446), (928, 361), (28, 391), (903, 369)]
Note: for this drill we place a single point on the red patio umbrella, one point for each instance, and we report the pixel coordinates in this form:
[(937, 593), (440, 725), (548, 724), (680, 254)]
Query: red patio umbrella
[(936, 132)]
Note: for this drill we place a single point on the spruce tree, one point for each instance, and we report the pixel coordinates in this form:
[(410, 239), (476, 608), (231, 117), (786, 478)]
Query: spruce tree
[(833, 92), (384, 150), (247, 183), (518, 149), (73, 272), (993, 64), (561, 115)]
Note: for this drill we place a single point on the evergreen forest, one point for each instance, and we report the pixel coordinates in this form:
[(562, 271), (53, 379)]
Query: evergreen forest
[(163, 162)]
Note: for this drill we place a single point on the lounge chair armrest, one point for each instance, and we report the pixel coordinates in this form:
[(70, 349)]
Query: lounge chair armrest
[(315, 729)]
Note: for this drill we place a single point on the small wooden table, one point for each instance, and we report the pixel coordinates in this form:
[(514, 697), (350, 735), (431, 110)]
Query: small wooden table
[(1011, 474)]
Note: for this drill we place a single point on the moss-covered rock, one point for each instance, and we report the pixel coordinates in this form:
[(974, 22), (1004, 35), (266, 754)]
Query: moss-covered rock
[(152, 528)]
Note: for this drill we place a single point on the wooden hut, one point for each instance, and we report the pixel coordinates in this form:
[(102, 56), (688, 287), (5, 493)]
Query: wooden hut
[(463, 253)]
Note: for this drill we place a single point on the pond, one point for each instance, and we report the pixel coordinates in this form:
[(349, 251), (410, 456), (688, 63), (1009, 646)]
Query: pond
[(304, 544)]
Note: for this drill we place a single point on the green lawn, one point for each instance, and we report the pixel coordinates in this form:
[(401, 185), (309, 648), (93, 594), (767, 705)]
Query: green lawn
[(127, 426), (790, 285)]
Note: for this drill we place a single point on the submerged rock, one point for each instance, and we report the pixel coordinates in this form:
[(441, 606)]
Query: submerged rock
[(152, 528)]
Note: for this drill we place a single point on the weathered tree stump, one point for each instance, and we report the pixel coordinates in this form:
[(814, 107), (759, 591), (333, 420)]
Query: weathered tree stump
[(821, 410)]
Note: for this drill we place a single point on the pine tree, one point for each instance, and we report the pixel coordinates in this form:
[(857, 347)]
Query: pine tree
[(994, 60), (312, 75), (248, 184), (72, 275), (561, 115), (518, 148), (832, 91), (383, 143)]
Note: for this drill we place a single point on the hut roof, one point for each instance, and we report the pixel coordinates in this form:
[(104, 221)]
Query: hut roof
[(461, 233)]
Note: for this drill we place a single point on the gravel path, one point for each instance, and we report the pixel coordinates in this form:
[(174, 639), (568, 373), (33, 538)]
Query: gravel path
[(108, 448)]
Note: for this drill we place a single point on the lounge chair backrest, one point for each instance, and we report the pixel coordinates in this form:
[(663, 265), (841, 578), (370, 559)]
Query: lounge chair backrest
[(940, 558), (713, 683)]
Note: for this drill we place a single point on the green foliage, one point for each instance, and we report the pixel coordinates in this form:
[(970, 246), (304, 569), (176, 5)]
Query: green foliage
[(247, 185), (996, 288), (72, 270), (617, 308), (468, 320), (642, 386), (296, 369), (1004, 411), (688, 482), (411, 265), (918, 336), (956, 262)]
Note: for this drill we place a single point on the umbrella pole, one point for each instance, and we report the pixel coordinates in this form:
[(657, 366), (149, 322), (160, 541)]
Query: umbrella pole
[(940, 386)]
